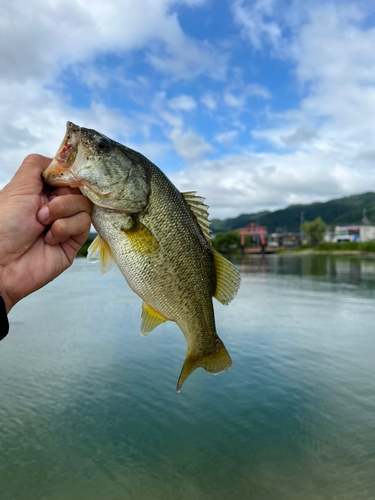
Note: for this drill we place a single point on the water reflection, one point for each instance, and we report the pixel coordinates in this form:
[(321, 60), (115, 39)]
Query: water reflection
[(88, 408), (349, 269)]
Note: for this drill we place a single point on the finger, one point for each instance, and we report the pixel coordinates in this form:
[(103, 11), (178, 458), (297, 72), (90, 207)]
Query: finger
[(33, 162), (62, 191), (49, 193), (77, 227), (62, 207), (28, 176)]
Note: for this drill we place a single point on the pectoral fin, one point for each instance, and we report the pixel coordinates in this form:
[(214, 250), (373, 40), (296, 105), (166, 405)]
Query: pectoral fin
[(141, 239), (216, 362), (228, 279), (150, 319), (100, 251)]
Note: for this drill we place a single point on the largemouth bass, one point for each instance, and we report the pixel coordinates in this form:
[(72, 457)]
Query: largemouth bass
[(157, 236)]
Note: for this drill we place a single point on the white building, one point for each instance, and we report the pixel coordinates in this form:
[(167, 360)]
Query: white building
[(354, 233)]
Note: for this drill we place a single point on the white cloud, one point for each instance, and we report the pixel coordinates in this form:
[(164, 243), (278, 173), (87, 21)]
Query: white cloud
[(209, 101), (225, 138), (159, 107), (33, 120), (343, 27), (39, 40), (334, 56), (257, 23), (189, 145), (99, 78), (186, 143), (44, 36), (250, 183), (237, 95), (182, 58), (234, 101), (299, 136), (182, 103), (324, 147)]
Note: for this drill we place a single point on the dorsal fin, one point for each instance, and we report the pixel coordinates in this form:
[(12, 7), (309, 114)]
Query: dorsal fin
[(228, 279), (199, 210), (150, 319), (99, 251)]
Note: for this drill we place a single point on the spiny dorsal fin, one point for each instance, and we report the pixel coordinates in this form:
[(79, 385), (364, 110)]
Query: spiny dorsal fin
[(150, 319), (199, 210), (216, 362), (228, 279), (99, 251)]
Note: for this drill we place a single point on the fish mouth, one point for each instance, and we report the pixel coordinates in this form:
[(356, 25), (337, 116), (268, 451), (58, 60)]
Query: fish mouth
[(64, 170), (58, 172)]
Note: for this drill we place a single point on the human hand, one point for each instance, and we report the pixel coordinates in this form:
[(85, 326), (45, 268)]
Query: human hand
[(40, 230)]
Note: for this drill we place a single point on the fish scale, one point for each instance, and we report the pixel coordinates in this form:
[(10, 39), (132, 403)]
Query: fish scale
[(157, 236)]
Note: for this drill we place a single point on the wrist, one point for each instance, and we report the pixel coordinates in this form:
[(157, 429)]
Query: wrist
[(4, 323), (6, 299), (8, 303)]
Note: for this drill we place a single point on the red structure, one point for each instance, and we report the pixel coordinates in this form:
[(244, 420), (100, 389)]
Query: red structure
[(254, 229)]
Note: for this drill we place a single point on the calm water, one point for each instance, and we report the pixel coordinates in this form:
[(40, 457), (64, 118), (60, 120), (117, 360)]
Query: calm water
[(88, 408)]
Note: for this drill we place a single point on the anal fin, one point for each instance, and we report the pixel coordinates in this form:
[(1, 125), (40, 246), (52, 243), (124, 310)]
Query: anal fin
[(215, 362), (150, 319), (228, 279)]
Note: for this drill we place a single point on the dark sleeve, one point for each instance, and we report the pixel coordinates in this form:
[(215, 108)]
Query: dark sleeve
[(4, 325)]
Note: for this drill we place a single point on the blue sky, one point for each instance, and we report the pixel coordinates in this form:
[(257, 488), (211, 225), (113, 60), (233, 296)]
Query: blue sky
[(254, 104)]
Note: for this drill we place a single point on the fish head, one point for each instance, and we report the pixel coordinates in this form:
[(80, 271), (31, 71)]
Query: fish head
[(104, 170)]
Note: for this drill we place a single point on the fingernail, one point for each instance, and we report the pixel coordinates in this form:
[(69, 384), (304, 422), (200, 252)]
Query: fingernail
[(43, 215), (48, 237)]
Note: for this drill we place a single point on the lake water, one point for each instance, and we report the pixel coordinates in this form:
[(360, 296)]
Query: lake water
[(88, 408)]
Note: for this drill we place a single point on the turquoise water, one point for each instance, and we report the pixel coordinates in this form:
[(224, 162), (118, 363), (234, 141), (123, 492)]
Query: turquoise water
[(88, 408)]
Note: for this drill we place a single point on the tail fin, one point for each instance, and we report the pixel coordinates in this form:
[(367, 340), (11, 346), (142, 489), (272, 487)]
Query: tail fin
[(216, 362)]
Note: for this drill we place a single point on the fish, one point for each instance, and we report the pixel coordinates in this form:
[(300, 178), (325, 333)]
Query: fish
[(157, 236)]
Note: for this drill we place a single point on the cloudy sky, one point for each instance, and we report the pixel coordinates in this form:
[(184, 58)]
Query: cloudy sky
[(256, 104)]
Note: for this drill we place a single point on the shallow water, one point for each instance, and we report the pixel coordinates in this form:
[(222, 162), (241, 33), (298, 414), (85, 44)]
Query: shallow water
[(88, 408)]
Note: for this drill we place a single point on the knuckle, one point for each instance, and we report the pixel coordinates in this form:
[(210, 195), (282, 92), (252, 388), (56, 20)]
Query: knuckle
[(86, 219), (60, 226), (58, 206), (84, 204), (69, 205), (89, 204), (31, 158)]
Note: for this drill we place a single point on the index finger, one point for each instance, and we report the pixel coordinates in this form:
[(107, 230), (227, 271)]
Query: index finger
[(34, 162), (30, 171)]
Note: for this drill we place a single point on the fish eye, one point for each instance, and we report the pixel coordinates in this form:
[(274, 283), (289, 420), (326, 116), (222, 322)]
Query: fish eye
[(103, 144)]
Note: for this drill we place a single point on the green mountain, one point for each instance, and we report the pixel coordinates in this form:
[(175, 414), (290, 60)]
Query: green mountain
[(343, 211)]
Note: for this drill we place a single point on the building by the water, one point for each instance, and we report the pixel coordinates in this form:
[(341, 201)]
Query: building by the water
[(354, 233), (284, 240)]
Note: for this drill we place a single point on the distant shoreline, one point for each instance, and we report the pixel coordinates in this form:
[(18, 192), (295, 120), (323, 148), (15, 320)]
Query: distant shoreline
[(309, 251)]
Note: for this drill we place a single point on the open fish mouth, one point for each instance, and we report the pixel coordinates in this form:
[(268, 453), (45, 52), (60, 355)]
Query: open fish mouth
[(59, 172)]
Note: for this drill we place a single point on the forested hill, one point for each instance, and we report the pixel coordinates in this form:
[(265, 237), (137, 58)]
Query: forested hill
[(343, 211)]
